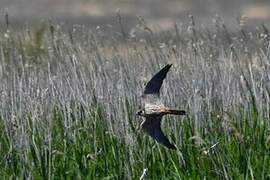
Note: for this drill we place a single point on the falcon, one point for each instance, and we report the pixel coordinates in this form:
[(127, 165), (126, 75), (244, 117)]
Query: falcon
[(154, 109)]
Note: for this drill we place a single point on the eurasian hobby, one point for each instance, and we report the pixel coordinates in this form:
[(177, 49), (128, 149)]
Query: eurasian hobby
[(154, 109)]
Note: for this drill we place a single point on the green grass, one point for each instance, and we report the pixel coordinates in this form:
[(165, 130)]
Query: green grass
[(69, 98)]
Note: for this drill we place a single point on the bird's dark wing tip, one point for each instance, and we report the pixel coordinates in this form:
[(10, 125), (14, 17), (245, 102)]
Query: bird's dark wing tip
[(152, 126), (153, 86), (171, 146), (167, 67)]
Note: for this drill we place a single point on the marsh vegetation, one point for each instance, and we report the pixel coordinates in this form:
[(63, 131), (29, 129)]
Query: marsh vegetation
[(69, 98)]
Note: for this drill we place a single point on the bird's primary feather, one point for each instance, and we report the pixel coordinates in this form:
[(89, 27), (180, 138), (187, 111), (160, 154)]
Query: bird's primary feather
[(151, 125), (154, 85)]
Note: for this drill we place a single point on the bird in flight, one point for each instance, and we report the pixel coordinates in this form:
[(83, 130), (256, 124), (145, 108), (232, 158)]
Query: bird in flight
[(154, 109)]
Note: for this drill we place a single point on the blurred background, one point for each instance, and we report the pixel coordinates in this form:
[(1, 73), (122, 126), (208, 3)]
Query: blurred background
[(159, 14)]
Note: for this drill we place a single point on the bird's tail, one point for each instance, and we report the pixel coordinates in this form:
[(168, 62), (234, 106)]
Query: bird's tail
[(176, 112)]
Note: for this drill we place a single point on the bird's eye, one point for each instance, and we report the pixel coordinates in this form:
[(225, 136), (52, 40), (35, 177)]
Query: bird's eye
[(140, 112)]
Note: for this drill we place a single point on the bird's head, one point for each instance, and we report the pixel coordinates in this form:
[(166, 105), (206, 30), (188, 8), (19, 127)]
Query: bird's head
[(140, 113)]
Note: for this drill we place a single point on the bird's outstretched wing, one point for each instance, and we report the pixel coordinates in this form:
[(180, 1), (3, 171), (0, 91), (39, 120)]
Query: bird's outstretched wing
[(153, 86), (151, 125)]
